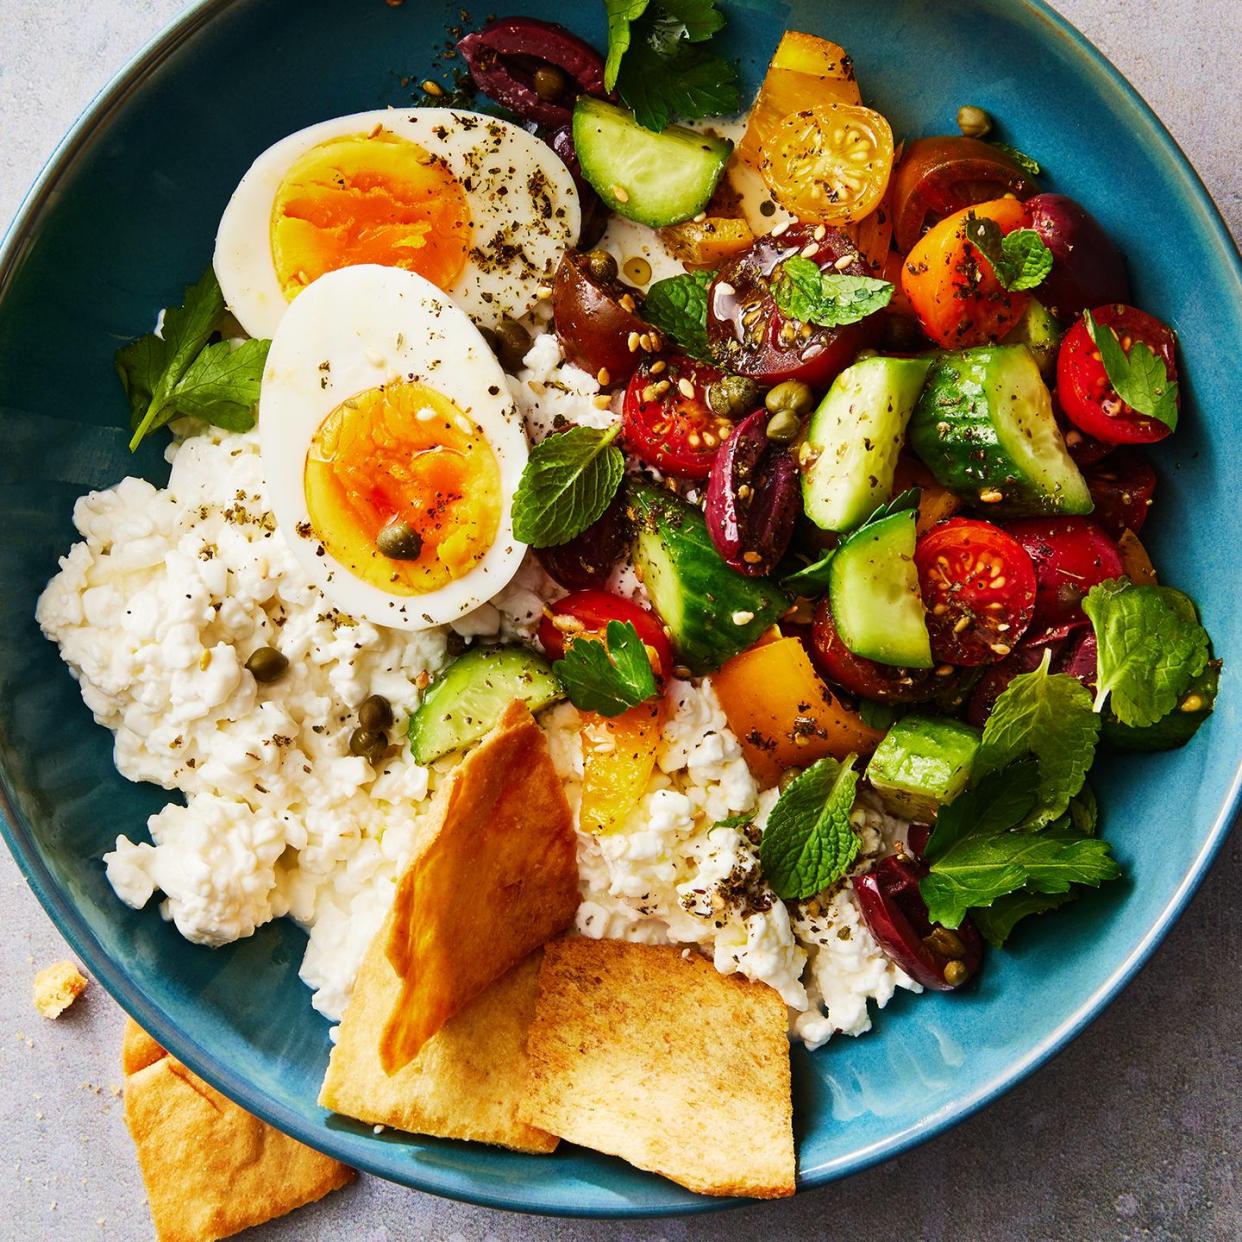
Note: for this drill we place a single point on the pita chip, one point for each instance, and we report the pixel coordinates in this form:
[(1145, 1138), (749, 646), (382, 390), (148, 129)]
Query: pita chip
[(642, 1053), (495, 877)]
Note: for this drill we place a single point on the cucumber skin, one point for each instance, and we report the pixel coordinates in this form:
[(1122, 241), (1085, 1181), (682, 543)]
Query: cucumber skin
[(677, 562), (430, 730), (893, 382), (953, 434), (923, 763), (592, 121), (1040, 332)]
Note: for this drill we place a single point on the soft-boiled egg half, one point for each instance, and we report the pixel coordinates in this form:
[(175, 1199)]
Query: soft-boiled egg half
[(391, 448), (478, 206)]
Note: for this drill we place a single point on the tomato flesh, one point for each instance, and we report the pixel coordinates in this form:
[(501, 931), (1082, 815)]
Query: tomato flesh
[(749, 336), (978, 586), (586, 614), (1122, 488), (1088, 398), (667, 422), (1070, 554)]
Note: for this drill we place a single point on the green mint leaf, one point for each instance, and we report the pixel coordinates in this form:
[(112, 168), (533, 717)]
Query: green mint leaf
[(809, 842), (222, 385), (1019, 260), (1023, 161), (678, 307), (829, 299), (909, 499), (1151, 646), (621, 15), (610, 676), (568, 482), (880, 716), (811, 580), (998, 803), (997, 921), (1047, 715), (1139, 378), (688, 82), (733, 821), (185, 331)]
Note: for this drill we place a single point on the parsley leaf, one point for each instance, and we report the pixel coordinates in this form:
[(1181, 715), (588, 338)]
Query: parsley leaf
[(1020, 260), (694, 20), (678, 307), (1023, 161), (1047, 715), (621, 15), (997, 921), (829, 299), (1151, 646), (568, 482), (1139, 378), (178, 373), (686, 81), (809, 841), (610, 676)]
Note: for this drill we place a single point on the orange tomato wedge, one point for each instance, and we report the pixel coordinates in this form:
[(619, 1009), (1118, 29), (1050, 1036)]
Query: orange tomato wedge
[(804, 71), (703, 245), (783, 714), (829, 163), (619, 755), (935, 502), (1134, 559)]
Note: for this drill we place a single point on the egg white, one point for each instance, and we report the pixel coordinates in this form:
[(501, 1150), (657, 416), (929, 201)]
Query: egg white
[(523, 204), (352, 330)]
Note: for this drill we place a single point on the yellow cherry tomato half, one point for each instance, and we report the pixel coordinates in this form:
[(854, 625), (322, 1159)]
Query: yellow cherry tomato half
[(830, 163)]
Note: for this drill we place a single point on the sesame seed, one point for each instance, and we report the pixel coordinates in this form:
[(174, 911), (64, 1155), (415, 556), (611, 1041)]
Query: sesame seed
[(990, 495), (627, 302), (742, 617), (751, 558), (944, 670), (961, 624), (621, 194), (700, 217), (809, 251), (633, 341), (657, 366), (602, 377), (686, 388), (781, 228), (844, 261), (644, 341), (544, 292), (602, 402), (1001, 649), (821, 231), (433, 88)]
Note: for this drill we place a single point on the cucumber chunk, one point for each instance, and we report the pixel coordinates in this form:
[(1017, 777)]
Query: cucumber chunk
[(922, 763), (712, 612), (854, 438), (471, 694), (984, 427), (654, 178), (873, 589), (1040, 332)]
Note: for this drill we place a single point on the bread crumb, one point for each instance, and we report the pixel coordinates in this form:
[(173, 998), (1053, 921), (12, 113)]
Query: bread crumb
[(57, 987)]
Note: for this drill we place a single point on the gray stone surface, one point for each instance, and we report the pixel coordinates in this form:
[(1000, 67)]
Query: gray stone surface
[(1132, 1133)]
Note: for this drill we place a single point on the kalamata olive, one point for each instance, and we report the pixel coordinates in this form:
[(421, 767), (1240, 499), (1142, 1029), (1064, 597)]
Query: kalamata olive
[(587, 559), (375, 713), (399, 541), (1122, 488), (1088, 270), (753, 498), (596, 320), (938, 957), (594, 213), (1070, 555), (510, 58), (267, 665)]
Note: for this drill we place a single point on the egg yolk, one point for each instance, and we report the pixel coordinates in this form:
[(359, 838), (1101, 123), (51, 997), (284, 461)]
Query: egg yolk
[(403, 453), (369, 198)]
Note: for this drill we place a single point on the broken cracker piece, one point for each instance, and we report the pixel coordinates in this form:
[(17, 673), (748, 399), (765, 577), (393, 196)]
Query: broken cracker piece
[(466, 1081), (56, 988), (494, 878), (642, 1053), (138, 1049), (210, 1168)]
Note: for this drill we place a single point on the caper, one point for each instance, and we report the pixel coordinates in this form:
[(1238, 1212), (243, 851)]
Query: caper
[(973, 122), (512, 344), (550, 83), (792, 395), (956, 973), (732, 396), (602, 266), (399, 541), (267, 664), (368, 743), (375, 713), (945, 942), (783, 426)]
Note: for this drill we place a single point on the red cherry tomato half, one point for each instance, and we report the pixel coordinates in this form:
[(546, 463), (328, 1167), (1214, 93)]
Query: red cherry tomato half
[(1122, 488), (883, 682), (585, 614), (1071, 554), (1088, 399), (667, 422), (978, 586)]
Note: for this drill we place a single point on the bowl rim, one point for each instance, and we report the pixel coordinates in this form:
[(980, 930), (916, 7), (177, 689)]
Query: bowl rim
[(450, 1183)]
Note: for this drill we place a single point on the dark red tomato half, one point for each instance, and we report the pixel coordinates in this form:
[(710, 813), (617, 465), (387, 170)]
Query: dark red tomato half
[(978, 586), (585, 614), (666, 420), (1071, 554), (749, 336), (1088, 398), (1122, 488), (883, 682)]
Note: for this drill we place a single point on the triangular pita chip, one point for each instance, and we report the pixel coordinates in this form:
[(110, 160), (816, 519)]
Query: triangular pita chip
[(640, 1052), (495, 878)]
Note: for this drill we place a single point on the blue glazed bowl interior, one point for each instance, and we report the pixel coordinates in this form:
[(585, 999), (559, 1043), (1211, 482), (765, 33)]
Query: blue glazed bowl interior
[(126, 215)]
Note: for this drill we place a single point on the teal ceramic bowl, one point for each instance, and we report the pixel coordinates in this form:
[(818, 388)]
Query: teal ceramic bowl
[(125, 214)]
